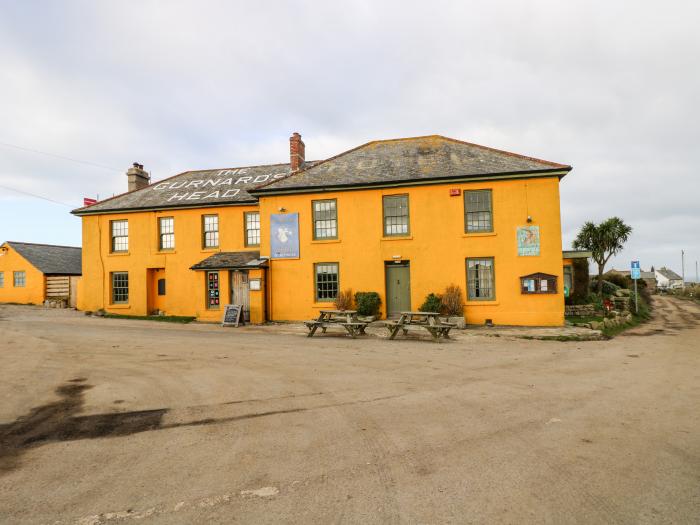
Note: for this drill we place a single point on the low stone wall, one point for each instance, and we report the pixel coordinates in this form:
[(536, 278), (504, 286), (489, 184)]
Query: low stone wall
[(56, 303), (579, 310)]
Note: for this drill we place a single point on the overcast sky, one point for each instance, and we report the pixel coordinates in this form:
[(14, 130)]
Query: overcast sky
[(611, 88)]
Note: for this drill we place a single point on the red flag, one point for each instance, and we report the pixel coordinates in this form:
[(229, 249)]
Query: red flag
[(89, 202)]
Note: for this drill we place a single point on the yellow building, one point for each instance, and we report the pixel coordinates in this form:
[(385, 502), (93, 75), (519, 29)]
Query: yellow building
[(32, 273), (403, 218)]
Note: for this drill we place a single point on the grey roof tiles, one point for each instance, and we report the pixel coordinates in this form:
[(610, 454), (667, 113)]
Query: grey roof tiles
[(231, 260), (50, 259), (417, 160), (410, 160), (192, 189)]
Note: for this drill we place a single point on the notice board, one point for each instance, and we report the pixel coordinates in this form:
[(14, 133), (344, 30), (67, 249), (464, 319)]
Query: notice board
[(233, 315)]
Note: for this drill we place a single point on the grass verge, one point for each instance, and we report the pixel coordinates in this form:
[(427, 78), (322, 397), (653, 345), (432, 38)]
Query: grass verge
[(161, 318)]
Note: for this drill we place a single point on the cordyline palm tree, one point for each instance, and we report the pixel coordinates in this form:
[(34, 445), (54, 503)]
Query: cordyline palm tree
[(603, 241)]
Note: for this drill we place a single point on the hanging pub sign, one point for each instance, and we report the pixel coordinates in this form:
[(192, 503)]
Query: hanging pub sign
[(528, 241), (284, 236)]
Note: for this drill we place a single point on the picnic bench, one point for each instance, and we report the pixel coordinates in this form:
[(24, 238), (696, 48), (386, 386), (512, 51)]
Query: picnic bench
[(430, 321), (346, 319)]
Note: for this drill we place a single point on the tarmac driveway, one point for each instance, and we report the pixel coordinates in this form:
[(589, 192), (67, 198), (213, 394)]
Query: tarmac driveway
[(112, 421)]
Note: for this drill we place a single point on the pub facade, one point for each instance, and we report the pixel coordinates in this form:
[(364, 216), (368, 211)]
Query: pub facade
[(403, 218)]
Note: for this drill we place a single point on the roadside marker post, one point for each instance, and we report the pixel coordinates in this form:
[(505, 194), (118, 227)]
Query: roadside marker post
[(635, 273)]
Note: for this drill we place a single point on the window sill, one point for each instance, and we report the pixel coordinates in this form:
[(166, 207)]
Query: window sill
[(397, 238), (251, 246), (119, 306), (485, 302), (480, 234), (118, 254), (323, 305), (325, 241), (166, 252), (210, 250)]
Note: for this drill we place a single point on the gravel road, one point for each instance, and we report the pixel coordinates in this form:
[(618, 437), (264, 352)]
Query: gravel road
[(119, 421)]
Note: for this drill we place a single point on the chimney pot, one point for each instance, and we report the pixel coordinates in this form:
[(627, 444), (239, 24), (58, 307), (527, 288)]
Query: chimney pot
[(296, 152)]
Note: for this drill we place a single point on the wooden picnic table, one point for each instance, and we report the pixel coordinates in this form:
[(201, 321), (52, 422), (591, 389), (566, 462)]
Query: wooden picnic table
[(330, 318), (428, 320)]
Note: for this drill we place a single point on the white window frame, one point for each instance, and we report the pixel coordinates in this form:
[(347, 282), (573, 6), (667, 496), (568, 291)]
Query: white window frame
[(122, 240)]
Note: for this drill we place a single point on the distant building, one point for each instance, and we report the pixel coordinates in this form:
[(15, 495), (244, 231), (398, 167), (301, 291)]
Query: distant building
[(648, 277), (32, 273), (668, 279)]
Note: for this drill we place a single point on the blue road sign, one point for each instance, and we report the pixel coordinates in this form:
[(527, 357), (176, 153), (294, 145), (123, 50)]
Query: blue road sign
[(636, 271)]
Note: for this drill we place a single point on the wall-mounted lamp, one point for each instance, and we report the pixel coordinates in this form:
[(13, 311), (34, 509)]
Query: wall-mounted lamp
[(529, 218), (281, 209)]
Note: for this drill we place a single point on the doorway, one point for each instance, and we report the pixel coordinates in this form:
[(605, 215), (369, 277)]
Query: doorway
[(398, 288), (240, 292), (156, 290)]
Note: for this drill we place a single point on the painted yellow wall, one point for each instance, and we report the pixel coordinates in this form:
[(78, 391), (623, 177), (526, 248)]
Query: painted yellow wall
[(35, 284), (436, 248), (185, 288)]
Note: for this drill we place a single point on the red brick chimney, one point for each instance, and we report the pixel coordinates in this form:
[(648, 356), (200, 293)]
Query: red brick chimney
[(138, 178), (296, 151)]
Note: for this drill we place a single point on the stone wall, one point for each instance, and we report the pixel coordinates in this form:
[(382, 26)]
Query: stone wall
[(56, 303), (579, 310)]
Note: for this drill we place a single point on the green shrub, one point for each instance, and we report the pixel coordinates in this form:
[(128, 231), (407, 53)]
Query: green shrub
[(618, 279), (608, 287), (581, 280), (432, 303), (368, 303)]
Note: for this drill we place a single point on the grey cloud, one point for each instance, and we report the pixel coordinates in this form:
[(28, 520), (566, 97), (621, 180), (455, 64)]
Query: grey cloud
[(608, 87)]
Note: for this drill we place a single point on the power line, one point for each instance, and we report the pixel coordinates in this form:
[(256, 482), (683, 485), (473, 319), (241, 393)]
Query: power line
[(30, 150), (36, 196)]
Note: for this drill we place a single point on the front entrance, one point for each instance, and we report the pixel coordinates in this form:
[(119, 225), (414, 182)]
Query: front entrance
[(240, 292), (156, 290), (398, 288)]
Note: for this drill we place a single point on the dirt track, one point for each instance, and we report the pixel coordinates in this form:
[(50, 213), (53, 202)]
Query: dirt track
[(111, 421)]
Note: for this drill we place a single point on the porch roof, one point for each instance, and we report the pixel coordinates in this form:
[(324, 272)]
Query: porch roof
[(231, 261)]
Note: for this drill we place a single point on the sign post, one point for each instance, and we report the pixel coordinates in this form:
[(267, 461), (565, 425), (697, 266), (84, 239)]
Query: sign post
[(635, 273)]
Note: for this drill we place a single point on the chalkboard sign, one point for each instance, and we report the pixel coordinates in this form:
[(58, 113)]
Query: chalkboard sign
[(233, 315)]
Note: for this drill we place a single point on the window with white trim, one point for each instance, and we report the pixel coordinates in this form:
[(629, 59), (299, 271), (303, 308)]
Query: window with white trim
[(120, 287), (325, 219), (252, 228), (210, 231), (120, 235), (166, 228), (395, 215)]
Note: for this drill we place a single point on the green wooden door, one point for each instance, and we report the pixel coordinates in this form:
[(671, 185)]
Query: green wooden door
[(398, 289)]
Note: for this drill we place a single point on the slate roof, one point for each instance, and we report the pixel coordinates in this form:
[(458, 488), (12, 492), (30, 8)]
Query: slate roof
[(193, 189), (576, 254), (669, 274), (642, 273), (231, 260), (409, 161), (50, 259)]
